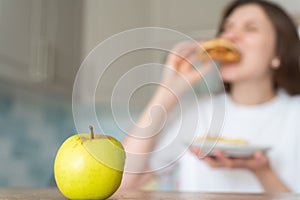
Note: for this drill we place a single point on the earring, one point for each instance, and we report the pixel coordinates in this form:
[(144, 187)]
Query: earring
[(275, 63)]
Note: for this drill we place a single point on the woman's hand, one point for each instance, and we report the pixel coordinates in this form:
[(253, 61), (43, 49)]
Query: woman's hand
[(180, 74), (258, 161)]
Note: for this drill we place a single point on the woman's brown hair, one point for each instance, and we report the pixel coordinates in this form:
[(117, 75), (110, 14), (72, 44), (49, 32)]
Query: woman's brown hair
[(287, 76)]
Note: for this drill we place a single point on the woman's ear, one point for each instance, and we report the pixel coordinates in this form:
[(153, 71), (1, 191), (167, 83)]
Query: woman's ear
[(275, 63)]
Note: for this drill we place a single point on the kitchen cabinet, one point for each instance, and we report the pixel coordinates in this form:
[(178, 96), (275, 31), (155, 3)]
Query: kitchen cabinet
[(40, 43), (24, 47)]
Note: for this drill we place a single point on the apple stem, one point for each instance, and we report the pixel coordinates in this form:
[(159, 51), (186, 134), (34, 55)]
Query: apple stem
[(92, 132)]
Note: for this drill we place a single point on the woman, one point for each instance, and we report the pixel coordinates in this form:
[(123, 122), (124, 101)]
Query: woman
[(261, 105)]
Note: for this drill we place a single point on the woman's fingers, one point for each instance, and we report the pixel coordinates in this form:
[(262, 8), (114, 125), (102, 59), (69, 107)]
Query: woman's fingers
[(210, 160), (224, 160), (181, 55)]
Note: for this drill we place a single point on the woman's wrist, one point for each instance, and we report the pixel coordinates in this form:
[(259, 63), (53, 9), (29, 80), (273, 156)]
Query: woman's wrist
[(263, 171), (164, 97), (270, 180)]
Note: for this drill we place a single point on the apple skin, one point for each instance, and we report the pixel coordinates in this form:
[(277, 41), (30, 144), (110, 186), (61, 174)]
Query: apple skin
[(86, 168)]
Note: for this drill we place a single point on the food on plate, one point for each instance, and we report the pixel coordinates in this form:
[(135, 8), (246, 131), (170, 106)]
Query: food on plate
[(232, 147), (221, 50), (209, 138)]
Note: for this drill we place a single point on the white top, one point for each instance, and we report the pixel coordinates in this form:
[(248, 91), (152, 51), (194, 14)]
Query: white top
[(273, 124)]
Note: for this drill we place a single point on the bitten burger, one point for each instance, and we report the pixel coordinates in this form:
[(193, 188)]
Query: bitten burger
[(220, 50)]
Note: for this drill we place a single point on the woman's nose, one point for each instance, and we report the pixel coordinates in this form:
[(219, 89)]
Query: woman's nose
[(232, 35), (228, 35)]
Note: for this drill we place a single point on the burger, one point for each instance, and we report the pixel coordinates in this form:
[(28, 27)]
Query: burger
[(221, 50)]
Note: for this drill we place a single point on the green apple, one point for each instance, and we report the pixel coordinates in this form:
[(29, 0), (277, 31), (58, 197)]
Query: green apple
[(89, 166)]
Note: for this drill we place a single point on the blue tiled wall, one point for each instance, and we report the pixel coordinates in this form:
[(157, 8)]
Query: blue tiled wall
[(32, 127)]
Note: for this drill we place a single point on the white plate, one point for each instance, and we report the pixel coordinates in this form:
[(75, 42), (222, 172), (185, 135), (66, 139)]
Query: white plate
[(231, 150)]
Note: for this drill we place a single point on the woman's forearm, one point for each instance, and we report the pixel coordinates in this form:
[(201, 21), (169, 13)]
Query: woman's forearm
[(270, 181), (141, 139)]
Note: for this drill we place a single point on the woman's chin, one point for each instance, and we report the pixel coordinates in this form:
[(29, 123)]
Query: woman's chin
[(228, 74)]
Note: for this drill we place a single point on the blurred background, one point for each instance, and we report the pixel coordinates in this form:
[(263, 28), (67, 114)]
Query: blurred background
[(42, 45)]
